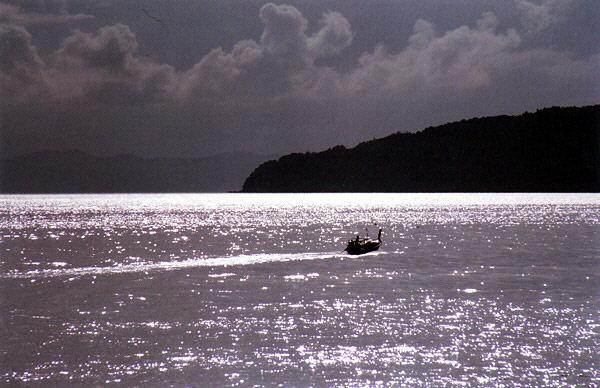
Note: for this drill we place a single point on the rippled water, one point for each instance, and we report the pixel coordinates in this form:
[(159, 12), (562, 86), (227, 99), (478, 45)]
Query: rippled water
[(236, 289)]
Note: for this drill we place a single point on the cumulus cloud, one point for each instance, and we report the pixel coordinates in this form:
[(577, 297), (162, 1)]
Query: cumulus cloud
[(538, 17), (17, 54), (111, 48), (463, 72), (103, 67), (23, 77), (463, 58), (274, 92), (284, 32), (20, 64), (281, 63), (99, 67), (333, 37)]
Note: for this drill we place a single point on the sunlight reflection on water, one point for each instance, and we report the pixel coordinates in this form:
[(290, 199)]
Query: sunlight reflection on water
[(476, 289)]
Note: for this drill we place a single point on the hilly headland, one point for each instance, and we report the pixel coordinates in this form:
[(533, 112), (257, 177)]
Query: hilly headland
[(551, 150)]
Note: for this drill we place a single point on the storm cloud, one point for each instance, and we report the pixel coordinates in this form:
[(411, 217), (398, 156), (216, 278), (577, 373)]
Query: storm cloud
[(297, 86)]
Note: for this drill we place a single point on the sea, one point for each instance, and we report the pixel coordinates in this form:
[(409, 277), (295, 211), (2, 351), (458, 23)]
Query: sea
[(247, 290)]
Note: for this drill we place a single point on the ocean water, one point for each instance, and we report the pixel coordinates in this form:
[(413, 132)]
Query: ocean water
[(247, 290)]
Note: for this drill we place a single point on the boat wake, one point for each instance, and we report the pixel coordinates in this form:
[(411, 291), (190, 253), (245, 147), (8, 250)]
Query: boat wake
[(226, 261)]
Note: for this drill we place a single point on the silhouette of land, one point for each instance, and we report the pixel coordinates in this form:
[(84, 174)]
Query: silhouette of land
[(551, 150), (78, 172)]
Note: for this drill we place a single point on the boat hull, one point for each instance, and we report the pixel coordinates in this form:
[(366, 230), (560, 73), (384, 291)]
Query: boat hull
[(363, 248), (366, 245)]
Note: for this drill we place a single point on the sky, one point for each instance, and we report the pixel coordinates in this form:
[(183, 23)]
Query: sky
[(191, 78)]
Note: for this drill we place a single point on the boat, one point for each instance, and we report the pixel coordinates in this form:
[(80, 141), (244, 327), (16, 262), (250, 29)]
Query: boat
[(360, 246)]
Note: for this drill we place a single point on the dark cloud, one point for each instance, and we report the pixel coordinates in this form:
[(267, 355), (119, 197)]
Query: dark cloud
[(13, 14), (104, 67), (20, 65), (44, 6), (291, 88), (17, 52)]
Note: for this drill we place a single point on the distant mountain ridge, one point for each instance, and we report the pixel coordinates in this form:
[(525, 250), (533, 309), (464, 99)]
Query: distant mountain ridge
[(78, 172), (551, 150)]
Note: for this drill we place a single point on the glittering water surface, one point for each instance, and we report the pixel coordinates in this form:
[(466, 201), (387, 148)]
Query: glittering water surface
[(236, 289)]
